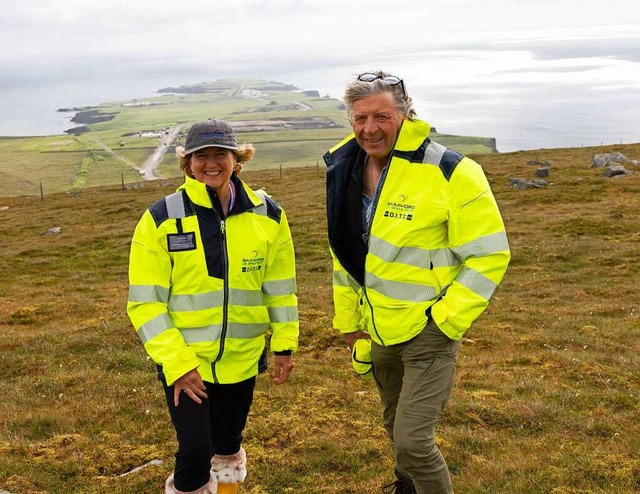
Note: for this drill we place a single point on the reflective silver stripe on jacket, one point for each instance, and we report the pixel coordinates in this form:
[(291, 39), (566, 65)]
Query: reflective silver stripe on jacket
[(148, 293), (175, 205), (198, 301), (411, 256), (279, 287), (283, 314), (483, 246), (214, 331), (261, 209), (476, 282), (156, 326), (342, 278), (434, 153), (409, 292), (248, 298)]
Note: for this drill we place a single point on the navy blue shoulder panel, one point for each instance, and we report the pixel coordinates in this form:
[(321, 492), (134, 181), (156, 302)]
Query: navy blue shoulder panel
[(449, 162), (428, 153), (274, 211), (159, 212), (189, 209), (416, 156)]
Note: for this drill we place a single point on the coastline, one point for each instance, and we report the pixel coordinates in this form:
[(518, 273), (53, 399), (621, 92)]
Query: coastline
[(85, 116)]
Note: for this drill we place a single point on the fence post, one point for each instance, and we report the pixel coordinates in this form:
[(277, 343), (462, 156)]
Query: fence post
[(41, 192), (280, 170), (122, 176)]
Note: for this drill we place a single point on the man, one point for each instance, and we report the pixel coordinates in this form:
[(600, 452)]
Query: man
[(419, 248)]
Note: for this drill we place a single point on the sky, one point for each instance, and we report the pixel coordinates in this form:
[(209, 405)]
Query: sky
[(457, 50), (306, 32)]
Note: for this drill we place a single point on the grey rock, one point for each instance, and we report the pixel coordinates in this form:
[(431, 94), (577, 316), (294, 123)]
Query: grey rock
[(522, 184), (616, 171), (600, 160), (543, 171), (539, 163), (52, 231)]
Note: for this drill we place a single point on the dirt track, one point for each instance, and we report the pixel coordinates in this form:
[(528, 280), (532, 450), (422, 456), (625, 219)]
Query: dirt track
[(148, 170)]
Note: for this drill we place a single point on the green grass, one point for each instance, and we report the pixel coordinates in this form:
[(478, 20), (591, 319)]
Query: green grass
[(546, 397)]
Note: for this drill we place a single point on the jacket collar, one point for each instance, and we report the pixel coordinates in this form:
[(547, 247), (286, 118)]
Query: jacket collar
[(411, 135), (203, 195)]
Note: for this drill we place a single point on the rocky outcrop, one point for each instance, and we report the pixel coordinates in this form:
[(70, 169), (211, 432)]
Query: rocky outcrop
[(92, 116), (614, 164), (614, 158)]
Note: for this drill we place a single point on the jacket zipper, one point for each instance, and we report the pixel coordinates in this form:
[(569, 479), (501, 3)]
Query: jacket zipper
[(367, 235), (225, 300)]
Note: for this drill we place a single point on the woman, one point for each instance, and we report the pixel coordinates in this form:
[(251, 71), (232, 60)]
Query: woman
[(211, 270)]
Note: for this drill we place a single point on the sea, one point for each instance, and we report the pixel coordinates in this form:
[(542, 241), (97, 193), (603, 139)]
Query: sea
[(525, 103)]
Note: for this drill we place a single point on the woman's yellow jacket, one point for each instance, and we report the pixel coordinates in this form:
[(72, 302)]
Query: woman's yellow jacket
[(436, 245), (205, 290)]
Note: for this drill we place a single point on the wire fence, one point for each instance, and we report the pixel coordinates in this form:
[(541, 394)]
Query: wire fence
[(41, 189)]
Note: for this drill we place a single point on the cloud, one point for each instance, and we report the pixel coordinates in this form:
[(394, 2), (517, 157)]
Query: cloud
[(235, 33), (552, 70)]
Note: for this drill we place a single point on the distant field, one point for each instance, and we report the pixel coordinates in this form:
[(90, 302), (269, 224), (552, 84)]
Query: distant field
[(547, 394), (113, 151)]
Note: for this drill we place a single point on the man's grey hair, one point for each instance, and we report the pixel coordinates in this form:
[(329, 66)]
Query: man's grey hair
[(357, 90)]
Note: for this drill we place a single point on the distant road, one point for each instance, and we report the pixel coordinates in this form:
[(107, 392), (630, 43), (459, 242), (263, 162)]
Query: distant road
[(149, 171)]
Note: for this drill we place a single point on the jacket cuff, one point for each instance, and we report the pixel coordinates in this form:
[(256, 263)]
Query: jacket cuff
[(175, 370), (283, 352)]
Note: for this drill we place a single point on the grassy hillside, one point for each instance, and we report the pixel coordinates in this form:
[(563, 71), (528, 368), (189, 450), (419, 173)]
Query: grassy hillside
[(547, 395), (293, 129)]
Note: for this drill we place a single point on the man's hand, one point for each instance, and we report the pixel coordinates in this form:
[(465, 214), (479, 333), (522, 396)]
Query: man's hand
[(283, 368), (350, 338)]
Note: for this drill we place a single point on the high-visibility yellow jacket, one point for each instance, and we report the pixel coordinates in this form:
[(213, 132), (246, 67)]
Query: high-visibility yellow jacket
[(204, 290), (435, 247)]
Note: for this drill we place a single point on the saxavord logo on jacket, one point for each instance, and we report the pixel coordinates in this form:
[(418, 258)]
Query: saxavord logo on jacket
[(399, 209), (253, 263)]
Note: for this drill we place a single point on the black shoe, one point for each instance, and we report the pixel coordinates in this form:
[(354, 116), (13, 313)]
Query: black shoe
[(400, 487)]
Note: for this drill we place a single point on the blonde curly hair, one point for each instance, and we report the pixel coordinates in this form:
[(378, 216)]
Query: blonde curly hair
[(243, 154)]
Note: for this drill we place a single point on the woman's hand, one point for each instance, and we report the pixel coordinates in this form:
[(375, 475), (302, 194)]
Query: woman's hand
[(191, 384), (283, 368)]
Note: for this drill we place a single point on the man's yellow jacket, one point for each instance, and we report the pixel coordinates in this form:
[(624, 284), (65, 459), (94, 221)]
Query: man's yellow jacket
[(435, 245), (205, 290)]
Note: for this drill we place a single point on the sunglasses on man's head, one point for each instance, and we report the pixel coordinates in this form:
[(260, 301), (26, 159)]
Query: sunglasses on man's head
[(392, 80)]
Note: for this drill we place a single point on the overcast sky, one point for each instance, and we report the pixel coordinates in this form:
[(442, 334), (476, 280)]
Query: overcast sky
[(467, 64), (306, 32)]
